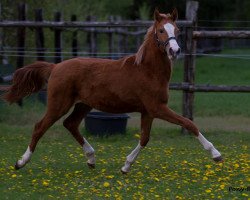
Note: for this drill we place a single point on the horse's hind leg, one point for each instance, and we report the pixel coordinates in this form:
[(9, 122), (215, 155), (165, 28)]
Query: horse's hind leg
[(163, 112), (56, 109), (72, 123)]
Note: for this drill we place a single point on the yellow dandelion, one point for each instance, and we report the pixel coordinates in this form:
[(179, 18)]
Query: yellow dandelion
[(236, 165), (106, 184), (139, 173), (220, 164), (208, 191), (222, 186), (14, 176), (208, 166), (156, 179), (45, 183), (119, 182), (110, 176)]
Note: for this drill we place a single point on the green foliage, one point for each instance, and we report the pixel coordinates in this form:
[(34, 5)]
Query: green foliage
[(144, 12)]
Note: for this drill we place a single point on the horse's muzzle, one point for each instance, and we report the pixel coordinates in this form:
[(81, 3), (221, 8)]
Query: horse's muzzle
[(174, 53)]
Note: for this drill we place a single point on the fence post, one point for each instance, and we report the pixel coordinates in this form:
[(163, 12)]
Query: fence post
[(92, 38), (22, 8), (1, 37), (74, 38), (39, 39), (119, 38), (58, 40), (189, 60), (39, 35), (111, 38)]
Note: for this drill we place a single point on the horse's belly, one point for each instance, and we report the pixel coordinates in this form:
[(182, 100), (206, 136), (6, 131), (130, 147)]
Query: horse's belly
[(113, 103)]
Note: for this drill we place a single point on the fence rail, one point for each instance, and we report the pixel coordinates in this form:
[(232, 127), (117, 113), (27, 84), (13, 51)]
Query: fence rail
[(85, 24), (209, 88), (241, 34)]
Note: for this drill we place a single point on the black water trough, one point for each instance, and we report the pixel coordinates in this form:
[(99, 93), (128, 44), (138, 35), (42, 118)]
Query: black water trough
[(103, 124)]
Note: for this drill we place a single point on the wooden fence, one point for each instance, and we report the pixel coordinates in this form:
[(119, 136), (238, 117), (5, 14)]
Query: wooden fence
[(92, 28)]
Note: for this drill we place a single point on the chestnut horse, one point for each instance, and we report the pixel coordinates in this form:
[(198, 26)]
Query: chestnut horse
[(137, 83)]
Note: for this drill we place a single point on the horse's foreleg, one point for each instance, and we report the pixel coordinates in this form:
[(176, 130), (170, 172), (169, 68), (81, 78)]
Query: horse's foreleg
[(163, 112), (72, 123), (146, 122)]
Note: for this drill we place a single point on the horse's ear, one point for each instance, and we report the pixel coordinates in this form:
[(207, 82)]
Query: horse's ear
[(174, 14), (157, 15)]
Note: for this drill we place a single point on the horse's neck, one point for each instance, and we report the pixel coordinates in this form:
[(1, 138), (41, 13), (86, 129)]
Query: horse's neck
[(156, 61)]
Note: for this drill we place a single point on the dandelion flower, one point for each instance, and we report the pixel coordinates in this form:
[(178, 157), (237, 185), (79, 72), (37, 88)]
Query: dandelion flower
[(13, 176), (222, 186), (45, 183), (110, 176), (208, 166), (236, 165), (208, 191), (106, 184), (119, 182)]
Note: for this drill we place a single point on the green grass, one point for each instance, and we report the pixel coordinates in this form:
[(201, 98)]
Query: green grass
[(170, 167)]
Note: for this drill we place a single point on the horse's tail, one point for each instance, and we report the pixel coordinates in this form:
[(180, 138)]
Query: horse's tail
[(28, 80)]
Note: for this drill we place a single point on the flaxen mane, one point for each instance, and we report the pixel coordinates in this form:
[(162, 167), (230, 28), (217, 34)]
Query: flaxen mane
[(140, 53)]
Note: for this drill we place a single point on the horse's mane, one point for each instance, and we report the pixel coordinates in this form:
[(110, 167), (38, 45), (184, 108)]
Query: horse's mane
[(140, 53)]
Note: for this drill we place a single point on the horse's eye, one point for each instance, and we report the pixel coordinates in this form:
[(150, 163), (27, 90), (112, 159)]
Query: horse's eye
[(161, 30)]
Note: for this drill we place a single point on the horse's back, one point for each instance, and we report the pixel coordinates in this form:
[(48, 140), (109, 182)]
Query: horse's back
[(100, 83)]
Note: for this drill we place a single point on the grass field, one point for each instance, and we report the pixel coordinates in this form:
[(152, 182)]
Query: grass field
[(172, 166)]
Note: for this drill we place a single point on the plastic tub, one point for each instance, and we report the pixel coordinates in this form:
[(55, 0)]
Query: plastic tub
[(102, 124)]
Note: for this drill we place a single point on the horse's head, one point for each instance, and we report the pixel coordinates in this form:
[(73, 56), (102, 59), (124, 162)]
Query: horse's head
[(165, 32)]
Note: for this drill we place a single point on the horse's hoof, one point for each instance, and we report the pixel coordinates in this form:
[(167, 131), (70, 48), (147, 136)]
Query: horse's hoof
[(123, 172), (17, 167), (91, 166), (218, 159)]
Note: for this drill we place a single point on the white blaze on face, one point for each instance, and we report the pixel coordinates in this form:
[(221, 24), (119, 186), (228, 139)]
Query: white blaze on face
[(170, 31)]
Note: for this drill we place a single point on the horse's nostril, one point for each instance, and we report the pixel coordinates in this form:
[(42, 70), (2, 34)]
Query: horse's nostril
[(178, 51), (171, 51)]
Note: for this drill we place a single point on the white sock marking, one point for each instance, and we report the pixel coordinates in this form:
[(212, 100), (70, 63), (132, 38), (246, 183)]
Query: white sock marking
[(131, 158), (25, 158), (89, 152), (208, 146)]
